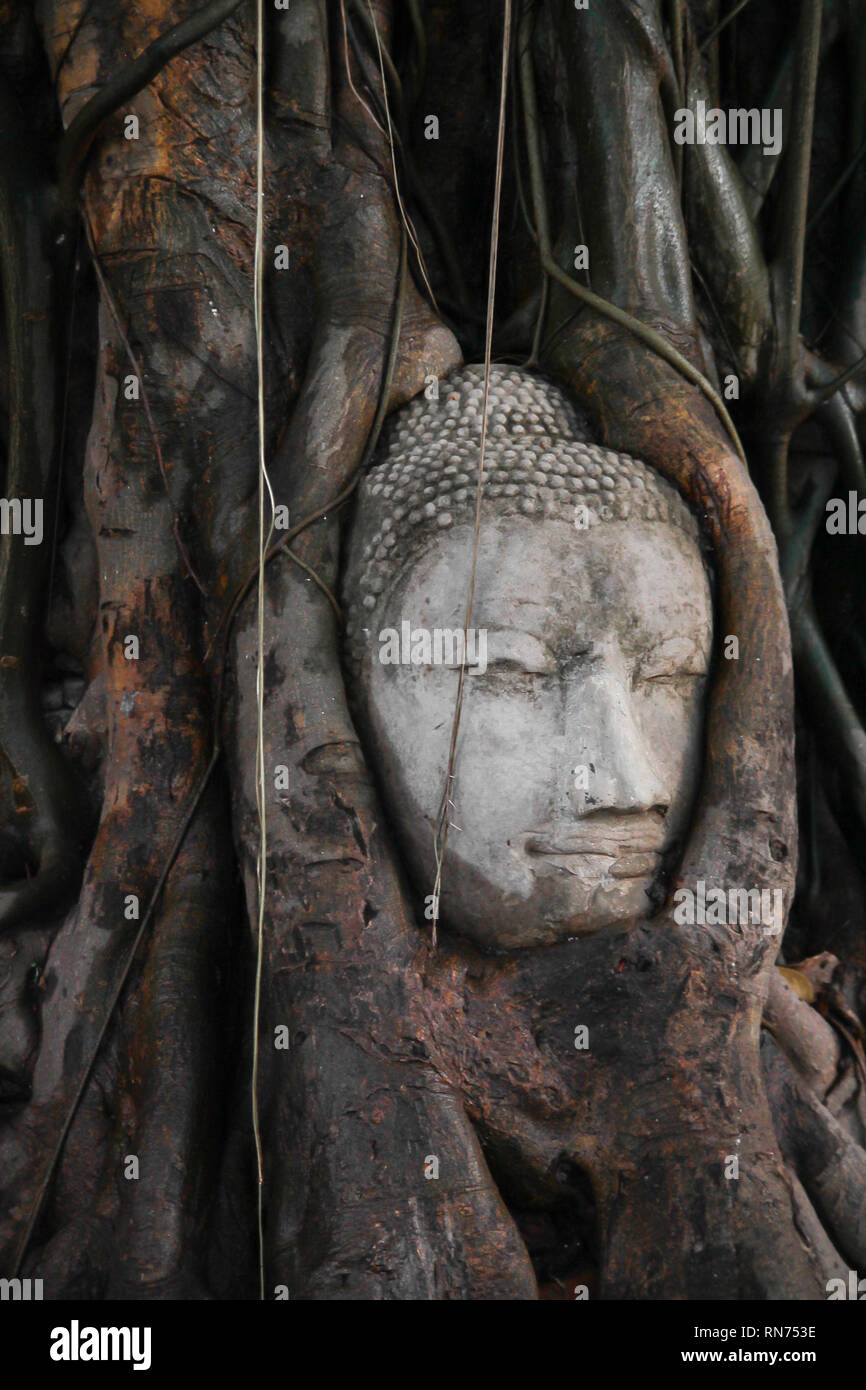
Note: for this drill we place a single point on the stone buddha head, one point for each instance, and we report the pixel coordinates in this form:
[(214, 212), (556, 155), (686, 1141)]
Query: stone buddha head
[(586, 661)]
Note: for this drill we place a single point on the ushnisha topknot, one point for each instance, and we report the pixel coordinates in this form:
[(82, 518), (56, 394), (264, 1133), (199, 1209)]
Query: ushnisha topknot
[(538, 462)]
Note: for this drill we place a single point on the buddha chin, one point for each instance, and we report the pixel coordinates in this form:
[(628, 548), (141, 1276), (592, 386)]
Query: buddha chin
[(581, 734)]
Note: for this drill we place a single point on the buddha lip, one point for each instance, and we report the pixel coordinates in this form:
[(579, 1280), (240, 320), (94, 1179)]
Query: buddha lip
[(633, 865), (614, 841)]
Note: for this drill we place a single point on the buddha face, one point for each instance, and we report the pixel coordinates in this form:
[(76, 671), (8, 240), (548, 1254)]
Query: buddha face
[(581, 732)]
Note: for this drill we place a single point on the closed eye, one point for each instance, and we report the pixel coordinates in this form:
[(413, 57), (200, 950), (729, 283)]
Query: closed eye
[(657, 677), (511, 652), (512, 666)]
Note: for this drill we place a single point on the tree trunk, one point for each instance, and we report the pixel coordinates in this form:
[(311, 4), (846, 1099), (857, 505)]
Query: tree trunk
[(129, 908)]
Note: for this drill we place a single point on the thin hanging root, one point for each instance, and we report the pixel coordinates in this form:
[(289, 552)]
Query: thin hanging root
[(302, 564), (64, 418), (544, 294), (357, 95), (264, 542), (676, 26), (388, 71), (795, 185), (824, 392), (407, 223), (837, 188), (642, 331), (443, 821), (426, 206), (722, 25)]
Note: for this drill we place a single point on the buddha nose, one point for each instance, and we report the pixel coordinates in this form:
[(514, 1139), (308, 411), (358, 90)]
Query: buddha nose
[(611, 765)]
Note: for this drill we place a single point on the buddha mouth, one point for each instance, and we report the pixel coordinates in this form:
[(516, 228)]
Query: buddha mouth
[(616, 838), (631, 848), (625, 866)]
